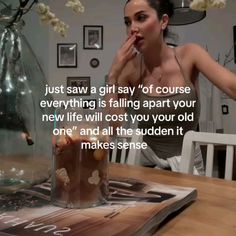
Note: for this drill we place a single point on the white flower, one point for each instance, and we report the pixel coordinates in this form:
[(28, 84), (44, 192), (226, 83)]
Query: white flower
[(202, 5), (48, 17), (217, 3), (75, 5), (61, 28), (41, 8), (54, 21), (198, 5), (45, 14)]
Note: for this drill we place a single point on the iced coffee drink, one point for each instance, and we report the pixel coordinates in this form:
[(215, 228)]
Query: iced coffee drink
[(79, 175)]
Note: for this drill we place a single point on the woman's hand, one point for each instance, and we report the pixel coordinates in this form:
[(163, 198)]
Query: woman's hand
[(125, 53)]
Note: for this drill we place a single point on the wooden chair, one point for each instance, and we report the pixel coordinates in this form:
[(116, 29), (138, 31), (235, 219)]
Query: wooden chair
[(126, 156), (209, 139)]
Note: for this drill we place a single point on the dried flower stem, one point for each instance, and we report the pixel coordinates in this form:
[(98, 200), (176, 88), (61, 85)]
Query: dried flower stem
[(28, 9), (227, 58), (17, 16), (227, 55), (46, 16)]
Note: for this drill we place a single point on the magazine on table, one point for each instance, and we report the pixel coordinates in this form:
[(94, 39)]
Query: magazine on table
[(134, 207)]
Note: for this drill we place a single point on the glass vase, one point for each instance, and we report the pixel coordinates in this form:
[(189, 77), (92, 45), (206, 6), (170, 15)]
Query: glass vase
[(25, 141)]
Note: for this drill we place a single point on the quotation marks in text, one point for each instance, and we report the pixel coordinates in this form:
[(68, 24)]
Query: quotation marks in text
[(64, 131), (146, 89)]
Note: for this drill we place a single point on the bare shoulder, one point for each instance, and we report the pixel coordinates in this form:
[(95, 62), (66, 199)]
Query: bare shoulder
[(200, 60), (194, 55), (190, 50), (191, 46)]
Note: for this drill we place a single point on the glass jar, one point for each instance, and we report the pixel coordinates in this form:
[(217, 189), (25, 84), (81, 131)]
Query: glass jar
[(25, 141), (80, 166)]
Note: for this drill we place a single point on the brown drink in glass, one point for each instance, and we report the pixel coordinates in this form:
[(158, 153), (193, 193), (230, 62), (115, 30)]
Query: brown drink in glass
[(80, 173)]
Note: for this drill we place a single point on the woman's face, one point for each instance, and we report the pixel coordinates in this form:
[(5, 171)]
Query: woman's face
[(142, 20)]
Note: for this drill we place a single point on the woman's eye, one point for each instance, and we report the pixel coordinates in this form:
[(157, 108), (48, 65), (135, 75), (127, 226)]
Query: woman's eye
[(127, 23), (141, 17)]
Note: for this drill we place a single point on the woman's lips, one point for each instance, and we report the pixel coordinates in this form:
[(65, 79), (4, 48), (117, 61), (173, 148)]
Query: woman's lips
[(139, 41)]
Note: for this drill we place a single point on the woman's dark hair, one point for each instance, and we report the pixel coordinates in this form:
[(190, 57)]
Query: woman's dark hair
[(162, 7)]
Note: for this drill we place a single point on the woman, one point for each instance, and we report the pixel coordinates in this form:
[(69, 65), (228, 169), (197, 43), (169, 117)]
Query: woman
[(159, 66)]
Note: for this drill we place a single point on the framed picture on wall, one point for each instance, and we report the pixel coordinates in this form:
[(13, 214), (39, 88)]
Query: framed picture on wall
[(93, 37), (67, 55), (78, 86)]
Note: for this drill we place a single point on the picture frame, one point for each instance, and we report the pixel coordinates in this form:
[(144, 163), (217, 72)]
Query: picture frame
[(67, 55), (93, 37), (78, 86)]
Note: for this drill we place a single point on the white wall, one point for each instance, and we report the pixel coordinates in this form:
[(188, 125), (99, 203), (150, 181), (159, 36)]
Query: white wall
[(106, 13), (215, 31)]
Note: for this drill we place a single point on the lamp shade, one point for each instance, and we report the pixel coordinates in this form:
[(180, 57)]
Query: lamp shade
[(183, 14)]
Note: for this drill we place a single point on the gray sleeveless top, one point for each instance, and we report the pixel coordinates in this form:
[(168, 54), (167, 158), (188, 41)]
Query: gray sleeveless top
[(166, 146)]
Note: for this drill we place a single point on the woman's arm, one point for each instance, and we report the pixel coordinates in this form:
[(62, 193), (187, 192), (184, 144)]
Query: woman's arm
[(119, 76), (123, 56), (221, 77)]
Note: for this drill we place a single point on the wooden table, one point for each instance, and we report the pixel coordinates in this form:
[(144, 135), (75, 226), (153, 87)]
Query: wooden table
[(213, 213)]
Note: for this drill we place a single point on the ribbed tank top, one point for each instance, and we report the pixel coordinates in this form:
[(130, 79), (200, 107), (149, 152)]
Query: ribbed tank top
[(169, 145)]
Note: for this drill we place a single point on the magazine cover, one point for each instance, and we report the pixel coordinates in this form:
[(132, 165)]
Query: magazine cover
[(134, 207)]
